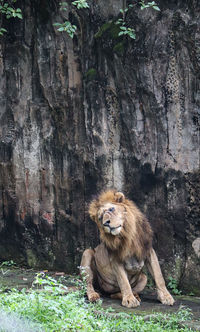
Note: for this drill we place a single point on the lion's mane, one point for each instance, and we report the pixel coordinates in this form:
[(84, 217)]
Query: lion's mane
[(135, 238)]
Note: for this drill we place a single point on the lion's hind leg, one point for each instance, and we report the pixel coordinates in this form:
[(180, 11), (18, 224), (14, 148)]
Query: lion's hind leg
[(141, 283), (117, 296), (89, 272), (138, 288)]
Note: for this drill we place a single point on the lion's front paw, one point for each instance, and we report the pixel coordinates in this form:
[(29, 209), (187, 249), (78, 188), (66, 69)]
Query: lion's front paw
[(130, 301), (93, 296), (165, 297)]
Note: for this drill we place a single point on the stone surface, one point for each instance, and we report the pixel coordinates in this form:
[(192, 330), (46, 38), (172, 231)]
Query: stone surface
[(150, 305), (100, 111), (196, 246)]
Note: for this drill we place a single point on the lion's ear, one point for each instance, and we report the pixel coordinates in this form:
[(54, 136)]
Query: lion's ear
[(93, 209), (119, 197)]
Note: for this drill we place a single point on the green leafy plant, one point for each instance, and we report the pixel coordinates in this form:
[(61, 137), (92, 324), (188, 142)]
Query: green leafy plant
[(130, 32), (152, 4), (80, 4), (191, 294), (67, 27), (8, 10), (173, 286), (2, 31), (63, 6), (4, 266), (7, 263), (124, 29)]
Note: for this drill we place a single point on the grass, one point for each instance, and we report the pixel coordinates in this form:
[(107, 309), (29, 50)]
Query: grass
[(52, 307)]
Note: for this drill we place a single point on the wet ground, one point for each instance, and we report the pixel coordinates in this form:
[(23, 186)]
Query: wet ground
[(22, 278), (149, 305)]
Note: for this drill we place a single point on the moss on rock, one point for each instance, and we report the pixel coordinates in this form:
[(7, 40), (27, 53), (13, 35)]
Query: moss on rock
[(110, 29), (119, 48), (91, 74)]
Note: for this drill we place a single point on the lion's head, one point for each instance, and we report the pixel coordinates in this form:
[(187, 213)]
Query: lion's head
[(123, 228)]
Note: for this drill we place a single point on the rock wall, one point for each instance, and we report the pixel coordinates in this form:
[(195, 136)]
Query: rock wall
[(100, 111)]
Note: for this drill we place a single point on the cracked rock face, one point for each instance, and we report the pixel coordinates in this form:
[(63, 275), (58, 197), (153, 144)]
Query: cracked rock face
[(99, 111)]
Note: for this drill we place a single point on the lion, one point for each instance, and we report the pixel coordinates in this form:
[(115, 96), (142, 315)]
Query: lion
[(116, 265)]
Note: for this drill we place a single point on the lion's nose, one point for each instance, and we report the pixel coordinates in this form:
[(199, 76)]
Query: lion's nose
[(107, 223)]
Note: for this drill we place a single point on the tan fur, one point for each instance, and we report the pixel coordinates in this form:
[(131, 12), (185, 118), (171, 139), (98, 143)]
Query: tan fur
[(116, 264)]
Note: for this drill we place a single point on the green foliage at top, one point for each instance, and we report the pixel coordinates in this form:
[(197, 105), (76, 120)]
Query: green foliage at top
[(8, 10), (53, 307), (124, 30)]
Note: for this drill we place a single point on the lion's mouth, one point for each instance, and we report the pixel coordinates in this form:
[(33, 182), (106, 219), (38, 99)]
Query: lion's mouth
[(113, 230), (108, 224)]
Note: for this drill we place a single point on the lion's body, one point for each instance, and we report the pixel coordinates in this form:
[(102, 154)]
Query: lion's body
[(107, 281), (117, 263)]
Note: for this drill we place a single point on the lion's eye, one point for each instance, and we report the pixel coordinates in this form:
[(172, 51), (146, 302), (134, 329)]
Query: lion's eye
[(101, 218), (112, 209)]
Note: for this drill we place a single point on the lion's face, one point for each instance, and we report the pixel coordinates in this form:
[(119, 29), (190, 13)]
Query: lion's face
[(111, 218)]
